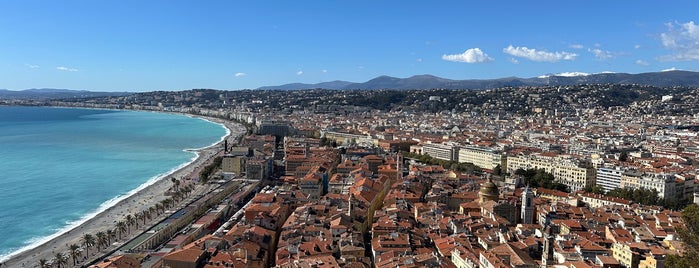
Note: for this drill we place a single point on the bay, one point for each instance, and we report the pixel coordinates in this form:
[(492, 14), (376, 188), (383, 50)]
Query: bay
[(61, 166)]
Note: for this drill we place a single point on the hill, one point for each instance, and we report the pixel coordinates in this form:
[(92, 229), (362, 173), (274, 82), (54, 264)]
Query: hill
[(660, 79)]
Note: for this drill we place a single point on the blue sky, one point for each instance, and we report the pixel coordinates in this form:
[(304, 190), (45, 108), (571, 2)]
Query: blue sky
[(177, 45)]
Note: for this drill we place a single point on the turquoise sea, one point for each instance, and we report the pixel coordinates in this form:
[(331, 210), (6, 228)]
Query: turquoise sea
[(61, 166)]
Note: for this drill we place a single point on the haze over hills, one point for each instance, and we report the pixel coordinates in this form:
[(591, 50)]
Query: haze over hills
[(662, 79), (54, 93)]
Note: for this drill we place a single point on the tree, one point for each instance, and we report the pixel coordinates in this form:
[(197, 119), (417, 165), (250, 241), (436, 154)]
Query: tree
[(101, 240), (623, 156), (60, 259), (121, 228), (176, 183), (497, 171), (150, 212), (43, 263), (74, 253), (689, 234), (88, 241), (595, 189), (130, 221), (110, 234)]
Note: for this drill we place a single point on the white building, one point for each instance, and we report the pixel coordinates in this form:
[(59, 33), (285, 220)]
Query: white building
[(609, 178), (448, 152), (482, 157), (572, 172), (663, 183)]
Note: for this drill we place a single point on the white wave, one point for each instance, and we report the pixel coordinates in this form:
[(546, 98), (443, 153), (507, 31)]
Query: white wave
[(37, 241)]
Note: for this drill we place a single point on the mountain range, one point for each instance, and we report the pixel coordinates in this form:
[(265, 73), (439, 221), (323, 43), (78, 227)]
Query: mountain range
[(660, 79), (426, 81)]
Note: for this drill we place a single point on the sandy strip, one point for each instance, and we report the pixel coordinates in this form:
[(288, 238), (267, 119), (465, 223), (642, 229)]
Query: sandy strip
[(136, 203)]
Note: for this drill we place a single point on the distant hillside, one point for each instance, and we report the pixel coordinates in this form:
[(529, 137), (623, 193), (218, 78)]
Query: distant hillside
[(662, 79), (325, 85), (53, 93)]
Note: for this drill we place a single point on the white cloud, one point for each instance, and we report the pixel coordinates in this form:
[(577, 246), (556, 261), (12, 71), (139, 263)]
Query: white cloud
[(32, 66), (637, 46), (299, 72), (240, 74), (513, 60), (670, 69), (419, 60), (682, 41), (642, 62), (62, 68), (577, 46), (601, 54), (565, 74), (538, 55), (325, 71), (472, 55)]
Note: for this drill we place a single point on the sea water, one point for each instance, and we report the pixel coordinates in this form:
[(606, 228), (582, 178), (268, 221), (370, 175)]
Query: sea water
[(61, 166)]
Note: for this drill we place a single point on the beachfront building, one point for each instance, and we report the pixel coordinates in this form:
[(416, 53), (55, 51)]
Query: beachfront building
[(235, 160), (276, 128)]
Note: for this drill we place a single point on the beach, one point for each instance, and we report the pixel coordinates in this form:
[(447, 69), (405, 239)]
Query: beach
[(142, 200)]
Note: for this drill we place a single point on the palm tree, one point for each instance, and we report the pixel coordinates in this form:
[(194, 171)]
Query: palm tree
[(74, 253), (60, 259), (176, 183), (176, 196), (137, 218), (110, 235), (158, 208), (88, 241), (101, 240), (150, 212), (143, 216), (43, 263), (121, 227), (129, 221)]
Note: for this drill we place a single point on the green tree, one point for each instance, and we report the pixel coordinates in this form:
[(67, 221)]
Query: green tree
[(121, 227), (88, 241), (623, 156), (43, 263), (595, 189), (497, 170), (74, 253), (110, 234), (101, 240), (689, 235), (60, 259), (130, 221)]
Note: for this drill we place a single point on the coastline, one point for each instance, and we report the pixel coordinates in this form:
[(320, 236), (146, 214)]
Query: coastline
[(145, 196)]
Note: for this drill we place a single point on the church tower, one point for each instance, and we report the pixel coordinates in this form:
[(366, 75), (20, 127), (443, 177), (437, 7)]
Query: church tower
[(547, 253), (527, 206), (489, 191)]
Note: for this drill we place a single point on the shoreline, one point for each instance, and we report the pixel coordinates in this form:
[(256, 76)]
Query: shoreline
[(139, 199)]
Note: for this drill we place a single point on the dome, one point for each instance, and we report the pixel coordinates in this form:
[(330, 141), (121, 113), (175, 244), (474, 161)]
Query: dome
[(489, 191), (451, 175)]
